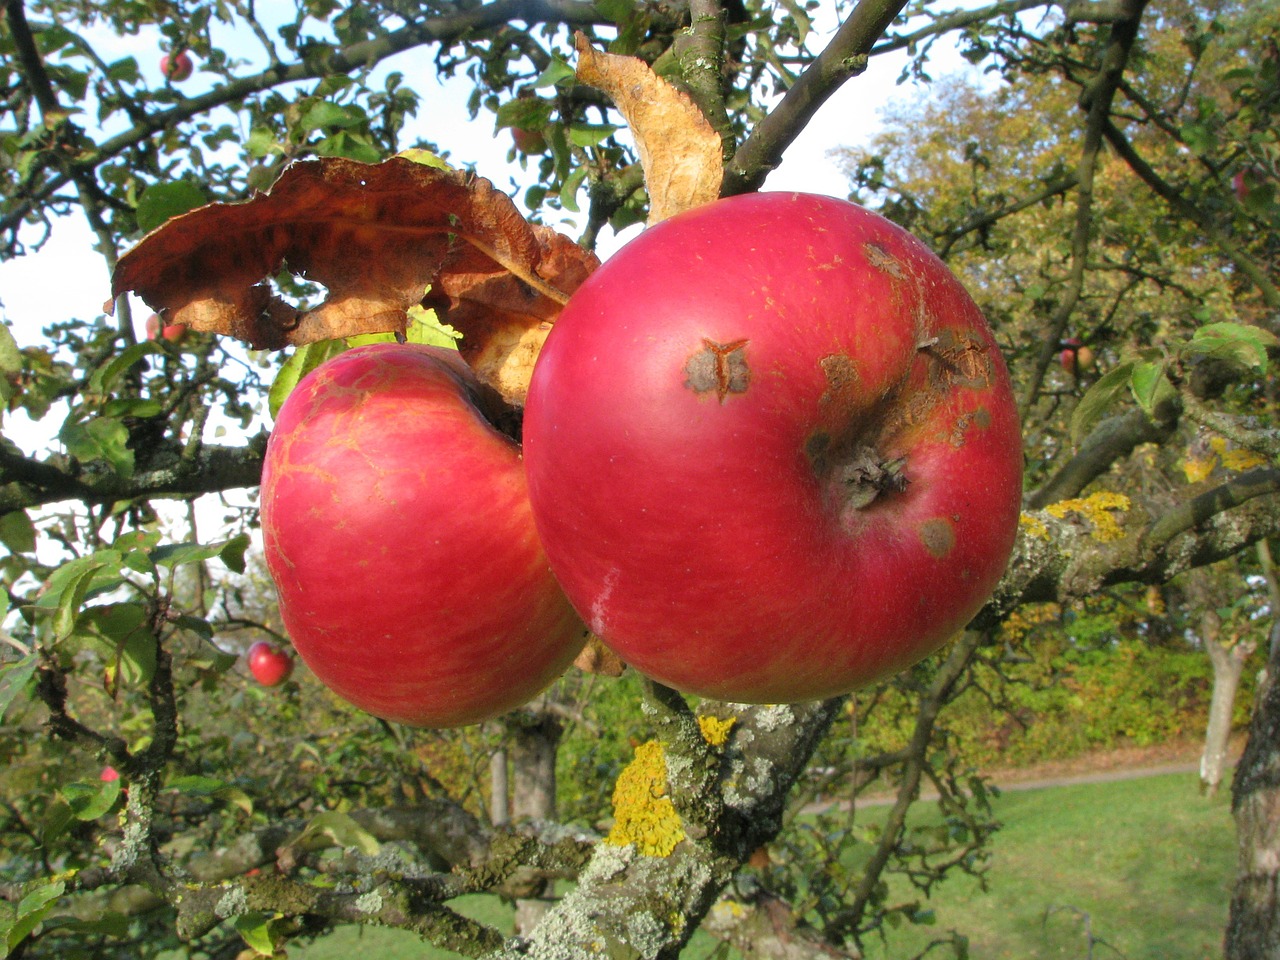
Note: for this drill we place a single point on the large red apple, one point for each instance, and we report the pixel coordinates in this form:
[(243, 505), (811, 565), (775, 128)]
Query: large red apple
[(268, 664), (398, 532), (772, 450)]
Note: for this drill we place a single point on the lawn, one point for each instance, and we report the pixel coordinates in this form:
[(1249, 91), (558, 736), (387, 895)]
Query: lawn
[(1145, 865)]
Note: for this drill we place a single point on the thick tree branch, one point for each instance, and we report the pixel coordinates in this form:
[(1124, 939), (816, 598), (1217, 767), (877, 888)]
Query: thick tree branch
[(1111, 441), (25, 482), (844, 57)]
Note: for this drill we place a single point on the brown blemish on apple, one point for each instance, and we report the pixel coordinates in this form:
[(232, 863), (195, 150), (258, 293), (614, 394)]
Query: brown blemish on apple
[(842, 381), (958, 359), (938, 536), (980, 418), (884, 261), (718, 367)]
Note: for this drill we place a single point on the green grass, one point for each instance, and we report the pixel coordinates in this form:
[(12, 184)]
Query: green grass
[(1149, 862)]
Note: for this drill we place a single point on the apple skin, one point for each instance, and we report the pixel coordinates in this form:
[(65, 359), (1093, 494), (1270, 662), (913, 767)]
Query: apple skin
[(177, 68), (268, 664), (397, 528), (157, 328), (529, 142), (772, 450)]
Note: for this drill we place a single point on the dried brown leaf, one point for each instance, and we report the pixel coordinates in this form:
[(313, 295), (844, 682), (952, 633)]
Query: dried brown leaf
[(375, 235), (598, 659), (679, 150)]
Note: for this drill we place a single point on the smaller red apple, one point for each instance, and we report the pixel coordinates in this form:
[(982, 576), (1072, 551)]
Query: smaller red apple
[(178, 67), (529, 141), (156, 328), (1076, 358), (269, 664), (109, 773)]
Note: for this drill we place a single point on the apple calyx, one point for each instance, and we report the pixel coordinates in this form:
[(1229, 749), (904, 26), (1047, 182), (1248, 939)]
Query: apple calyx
[(861, 480)]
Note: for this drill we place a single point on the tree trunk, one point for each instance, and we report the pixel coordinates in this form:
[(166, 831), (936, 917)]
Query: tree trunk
[(1253, 930), (535, 741), (1228, 664), (499, 789)]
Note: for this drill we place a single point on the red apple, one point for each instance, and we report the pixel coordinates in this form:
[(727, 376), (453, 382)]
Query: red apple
[(1076, 358), (269, 664), (529, 141), (156, 328), (772, 449), (397, 528), (177, 68), (108, 774)]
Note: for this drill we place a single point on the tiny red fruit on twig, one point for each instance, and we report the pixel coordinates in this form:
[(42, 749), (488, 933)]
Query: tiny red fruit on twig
[(157, 328), (178, 67), (269, 665)]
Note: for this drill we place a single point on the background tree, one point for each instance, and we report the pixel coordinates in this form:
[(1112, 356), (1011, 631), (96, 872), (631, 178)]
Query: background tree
[(1114, 182)]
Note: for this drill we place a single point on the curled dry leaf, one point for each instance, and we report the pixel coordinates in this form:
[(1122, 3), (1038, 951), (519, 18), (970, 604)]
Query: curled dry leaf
[(598, 659), (375, 236), (679, 150)]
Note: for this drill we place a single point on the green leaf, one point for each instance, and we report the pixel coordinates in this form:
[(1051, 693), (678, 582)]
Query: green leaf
[(14, 678), (199, 786), (17, 532), (233, 551), (569, 192), (164, 201), (557, 71), (174, 555), (425, 157), (1150, 385), (99, 438), (1239, 343), (324, 115), (106, 376), (255, 929), (303, 360), (32, 909), (10, 363), (89, 801), (527, 113), (72, 583), (1099, 400), (590, 134), (138, 657), (424, 327), (342, 830)]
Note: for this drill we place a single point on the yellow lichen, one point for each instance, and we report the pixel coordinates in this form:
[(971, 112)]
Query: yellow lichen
[(1097, 509), (1033, 526), (1236, 459), (1197, 469), (716, 731), (643, 813)]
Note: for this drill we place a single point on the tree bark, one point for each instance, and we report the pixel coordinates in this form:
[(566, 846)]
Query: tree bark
[(1253, 930), (535, 742), (1228, 665)]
